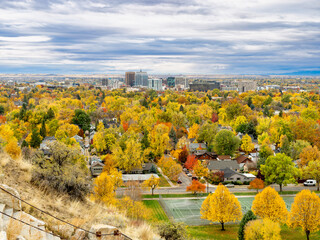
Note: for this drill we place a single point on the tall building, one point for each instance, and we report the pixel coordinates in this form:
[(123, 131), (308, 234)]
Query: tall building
[(141, 79), (155, 84), (204, 85), (130, 78), (171, 81), (104, 82)]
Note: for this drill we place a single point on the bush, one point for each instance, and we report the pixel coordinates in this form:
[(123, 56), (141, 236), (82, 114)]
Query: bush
[(246, 218), (64, 171), (173, 231)]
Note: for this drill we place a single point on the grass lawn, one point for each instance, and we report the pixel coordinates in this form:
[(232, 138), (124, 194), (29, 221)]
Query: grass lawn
[(231, 233), (156, 210), (163, 181)]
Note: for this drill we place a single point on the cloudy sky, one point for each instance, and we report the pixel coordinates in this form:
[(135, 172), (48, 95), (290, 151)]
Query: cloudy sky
[(163, 36)]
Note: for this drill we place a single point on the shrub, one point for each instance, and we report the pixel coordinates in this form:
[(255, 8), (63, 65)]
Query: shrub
[(64, 171), (173, 231)]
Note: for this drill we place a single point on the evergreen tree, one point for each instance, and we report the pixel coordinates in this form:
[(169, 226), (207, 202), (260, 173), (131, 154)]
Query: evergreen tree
[(23, 111), (35, 138), (145, 143), (82, 119), (43, 131), (173, 137), (49, 114), (144, 103), (181, 108), (24, 144), (246, 218)]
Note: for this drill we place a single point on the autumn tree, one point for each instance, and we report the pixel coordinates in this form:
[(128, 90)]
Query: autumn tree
[(249, 216), (263, 229), (297, 147), (264, 153), (159, 139), (307, 155), (196, 186), (170, 168), (312, 171), (193, 131), (13, 149), (247, 144), (151, 183), (130, 157), (183, 155), (200, 170), (221, 206), (103, 190), (191, 162), (257, 184), (269, 204), (207, 133), (280, 169), (226, 143), (305, 212)]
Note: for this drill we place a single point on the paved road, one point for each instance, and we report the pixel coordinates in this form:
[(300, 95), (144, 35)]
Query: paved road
[(186, 181)]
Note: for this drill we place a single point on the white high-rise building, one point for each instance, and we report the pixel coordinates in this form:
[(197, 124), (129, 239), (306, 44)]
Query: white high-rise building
[(141, 79), (155, 84)]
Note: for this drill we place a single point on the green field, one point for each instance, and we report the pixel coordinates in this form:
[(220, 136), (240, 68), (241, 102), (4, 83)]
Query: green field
[(156, 210), (231, 233)]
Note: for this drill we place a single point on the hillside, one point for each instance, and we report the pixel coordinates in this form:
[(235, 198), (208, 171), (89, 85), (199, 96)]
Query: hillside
[(17, 174)]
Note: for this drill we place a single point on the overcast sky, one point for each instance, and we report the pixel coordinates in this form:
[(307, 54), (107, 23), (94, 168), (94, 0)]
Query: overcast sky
[(163, 36)]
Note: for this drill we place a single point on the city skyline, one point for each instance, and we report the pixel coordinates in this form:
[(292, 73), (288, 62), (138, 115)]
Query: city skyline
[(160, 37)]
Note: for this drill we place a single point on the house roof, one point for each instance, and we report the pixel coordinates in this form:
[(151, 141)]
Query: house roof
[(145, 167), (137, 177), (96, 163), (243, 158), (224, 157), (197, 145), (218, 165)]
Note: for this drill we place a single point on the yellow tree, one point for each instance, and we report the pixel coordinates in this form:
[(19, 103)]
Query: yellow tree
[(307, 155), (99, 141), (200, 170), (151, 183), (193, 131), (170, 168), (305, 212), (129, 158), (103, 190), (269, 204), (159, 139), (263, 229), (247, 144), (221, 206), (13, 149)]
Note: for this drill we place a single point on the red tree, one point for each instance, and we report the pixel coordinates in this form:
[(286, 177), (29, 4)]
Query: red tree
[(214, 117), (196, 186), (183, 155), (191, 162), (257, 184), (125, 126)]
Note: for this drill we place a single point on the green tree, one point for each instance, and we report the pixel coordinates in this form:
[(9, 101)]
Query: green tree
[(82, 119), (264, 153), (173, 137), (35, 138), (49, 114), (226, 143), (297, 147), (173, 231), (280, 169), (145, 143), (207, 132), (43, 131), (249, 216), (312, 171), (285, 145)]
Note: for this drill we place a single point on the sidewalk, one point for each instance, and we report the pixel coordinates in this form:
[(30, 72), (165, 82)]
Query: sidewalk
[(169, 181)]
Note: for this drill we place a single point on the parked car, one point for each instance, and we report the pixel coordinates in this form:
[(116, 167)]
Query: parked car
[(230, 185), (185, 170), (179, 181), (310, 182), (189, 174)]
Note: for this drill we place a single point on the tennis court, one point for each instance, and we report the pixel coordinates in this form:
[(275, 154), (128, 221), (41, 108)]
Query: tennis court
[(188, 210)]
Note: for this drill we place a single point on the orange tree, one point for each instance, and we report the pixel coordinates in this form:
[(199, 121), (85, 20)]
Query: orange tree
[(196, 186)]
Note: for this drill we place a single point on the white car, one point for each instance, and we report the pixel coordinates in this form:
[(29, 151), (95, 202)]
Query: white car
[(189, 174), (310, 182)]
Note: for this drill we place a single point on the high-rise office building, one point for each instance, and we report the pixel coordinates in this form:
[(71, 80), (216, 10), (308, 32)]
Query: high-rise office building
[(155, 84), (104, 82), (171, 81), (141, 79), (130, 78)]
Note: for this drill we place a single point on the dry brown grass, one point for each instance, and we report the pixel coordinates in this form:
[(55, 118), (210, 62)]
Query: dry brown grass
[(17, 174)]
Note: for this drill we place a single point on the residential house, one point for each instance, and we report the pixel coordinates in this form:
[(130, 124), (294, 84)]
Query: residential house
[(146, 169), (96, 168), (137, 177), (246, 163), (220, 165), (224, 158), (231, 175), (198, 147), (206, 156)]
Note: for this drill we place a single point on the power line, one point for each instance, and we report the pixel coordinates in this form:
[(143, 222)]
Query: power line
[(29, 224), (61, 220)]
